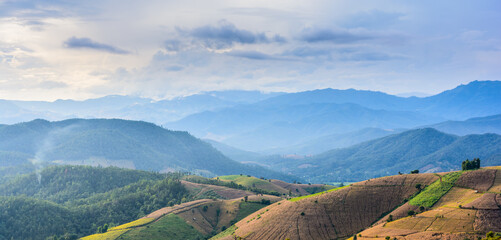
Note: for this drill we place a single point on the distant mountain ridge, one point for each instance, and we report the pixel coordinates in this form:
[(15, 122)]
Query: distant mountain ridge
[(425, 149), (130, 144), (295, 118), (489, 124), (127, 107)]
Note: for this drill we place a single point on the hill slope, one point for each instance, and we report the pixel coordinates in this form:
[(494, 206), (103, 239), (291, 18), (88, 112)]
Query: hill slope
[(377, 208), (131, 144), (424, 149), (489, 124), (294, 118), (262, 126)]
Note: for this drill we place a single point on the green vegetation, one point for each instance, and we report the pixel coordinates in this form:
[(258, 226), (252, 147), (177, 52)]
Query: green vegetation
[(253, 184), (170, 225), (111, 235), (431, 194), (132, 144), (137, 223), (470, 165), (88, 198), (246, 208), (229, 231), (316, 194), (62, 184)]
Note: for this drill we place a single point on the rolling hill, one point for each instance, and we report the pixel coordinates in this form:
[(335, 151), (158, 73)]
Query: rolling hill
[(464, 206), (261, 126), (425, 149), (204, 218), (295, 118), (105, 142), (489, 124), (332, 141), (78, 200)]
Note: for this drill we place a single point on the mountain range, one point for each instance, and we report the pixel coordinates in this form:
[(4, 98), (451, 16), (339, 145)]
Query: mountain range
[(127, 107), (426, 150), (105, 142), (295, 118), (277, 121)]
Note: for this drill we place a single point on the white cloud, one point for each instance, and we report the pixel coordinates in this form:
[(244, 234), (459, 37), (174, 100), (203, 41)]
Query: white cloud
[(175, 48)]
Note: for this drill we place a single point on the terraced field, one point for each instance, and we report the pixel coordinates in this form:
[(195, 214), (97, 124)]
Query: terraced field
[(192, 220), (335, 214), (278, 186), (463, 205), (466, 211)]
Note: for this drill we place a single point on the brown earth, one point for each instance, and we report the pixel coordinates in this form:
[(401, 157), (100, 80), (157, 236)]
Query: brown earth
[(296, 188), (461, 213), (480, 180), (488, 220), (335, 214), (496, 186), (487, 201), (199, 189), (207, 214)]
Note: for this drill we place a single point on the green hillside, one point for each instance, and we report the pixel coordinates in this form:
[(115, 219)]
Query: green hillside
[(79, 199), (114, 142), (425, 149)]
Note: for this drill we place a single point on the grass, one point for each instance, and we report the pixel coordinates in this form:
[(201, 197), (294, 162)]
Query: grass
[(170, 225), (316, 194), (137, 223), (431, 194), (245, 181), (247, 208), (110, 235), (229, 231)]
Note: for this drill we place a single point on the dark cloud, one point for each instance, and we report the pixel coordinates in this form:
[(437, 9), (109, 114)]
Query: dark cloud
[(341, 36), (225, 34), (75, 42)]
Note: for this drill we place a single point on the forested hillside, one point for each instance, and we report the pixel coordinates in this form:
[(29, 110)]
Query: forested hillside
[(425, 149), (114, 142), (79, 199)]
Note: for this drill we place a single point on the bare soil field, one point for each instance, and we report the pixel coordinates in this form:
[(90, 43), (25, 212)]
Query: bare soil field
[(480, 180), (458, 196), (223, 192), (300, 189), (335, 214), (496, 186), (487, 201)]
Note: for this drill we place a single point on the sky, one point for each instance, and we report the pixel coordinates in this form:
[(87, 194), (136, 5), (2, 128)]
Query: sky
[(64, 49)]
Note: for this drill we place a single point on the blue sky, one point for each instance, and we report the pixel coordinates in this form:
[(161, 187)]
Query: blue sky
[(161, 49)]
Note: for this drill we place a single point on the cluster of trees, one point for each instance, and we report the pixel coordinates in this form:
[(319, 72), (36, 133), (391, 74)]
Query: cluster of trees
[(79, 201), (470, 165)]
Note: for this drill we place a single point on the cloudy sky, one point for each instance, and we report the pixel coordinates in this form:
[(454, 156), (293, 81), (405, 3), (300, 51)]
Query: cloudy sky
[(84, 49)]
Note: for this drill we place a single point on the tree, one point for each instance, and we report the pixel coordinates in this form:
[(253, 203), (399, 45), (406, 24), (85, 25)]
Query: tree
[(470, 165), (418, 186), (415, 171)]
